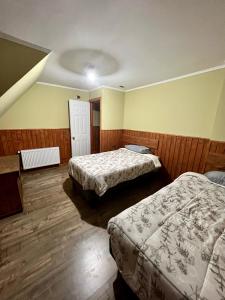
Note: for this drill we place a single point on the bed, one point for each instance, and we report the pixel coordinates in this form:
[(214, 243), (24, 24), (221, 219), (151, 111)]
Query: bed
[(171, 245), (101, 171)]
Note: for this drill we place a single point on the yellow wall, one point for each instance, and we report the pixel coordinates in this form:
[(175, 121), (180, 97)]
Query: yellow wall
[(42, 106), (112, 109), (95, 93), (192, 106), (218, 132), (45, 106), (21, 86), (186, 106)]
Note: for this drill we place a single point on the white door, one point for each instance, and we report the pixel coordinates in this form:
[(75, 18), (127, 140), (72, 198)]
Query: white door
[(79, 127)]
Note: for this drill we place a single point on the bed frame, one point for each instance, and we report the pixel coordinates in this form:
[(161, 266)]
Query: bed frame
[(86, 194), (92, 197)]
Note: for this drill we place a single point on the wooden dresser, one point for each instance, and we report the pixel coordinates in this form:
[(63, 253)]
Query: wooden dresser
[(10, 186)]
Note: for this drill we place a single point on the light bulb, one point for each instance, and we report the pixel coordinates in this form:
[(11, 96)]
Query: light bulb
[(91, 74)]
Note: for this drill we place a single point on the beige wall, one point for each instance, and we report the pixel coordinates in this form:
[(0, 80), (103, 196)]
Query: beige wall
[(186, 106), (218, 132), (42, 106), (21, 86), (45, 106), (193, 106), (112, 109), (96, 93)]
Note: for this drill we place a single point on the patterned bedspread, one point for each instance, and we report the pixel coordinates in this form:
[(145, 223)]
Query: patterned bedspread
[(171, 245), (101, 171)]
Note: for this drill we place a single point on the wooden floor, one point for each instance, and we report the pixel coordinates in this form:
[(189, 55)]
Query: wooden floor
[(58, 247)]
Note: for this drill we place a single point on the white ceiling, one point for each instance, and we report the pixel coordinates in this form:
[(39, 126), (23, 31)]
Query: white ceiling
[(130, 42)]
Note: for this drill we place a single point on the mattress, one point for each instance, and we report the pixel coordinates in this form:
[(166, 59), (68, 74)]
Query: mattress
[(171, 245), (101, 171)]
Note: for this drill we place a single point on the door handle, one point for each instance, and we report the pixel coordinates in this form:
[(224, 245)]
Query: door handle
[(73, 138)]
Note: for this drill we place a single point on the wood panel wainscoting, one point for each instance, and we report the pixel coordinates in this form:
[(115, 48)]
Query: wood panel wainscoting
[(178, 154), (14, 140), (216, 156), (110, 139)]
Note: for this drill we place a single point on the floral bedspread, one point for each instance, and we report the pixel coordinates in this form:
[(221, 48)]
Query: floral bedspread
[(101, 171), (171, 245)]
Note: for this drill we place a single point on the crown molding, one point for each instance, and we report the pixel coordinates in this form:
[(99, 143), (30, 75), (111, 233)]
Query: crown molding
[(95, 89), (139, 87), (82, 90), (62, 86), (107, 87), (179, 77), (113, 88)]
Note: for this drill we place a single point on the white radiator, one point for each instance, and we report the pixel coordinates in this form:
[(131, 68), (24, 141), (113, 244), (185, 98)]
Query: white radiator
[(35, 158)]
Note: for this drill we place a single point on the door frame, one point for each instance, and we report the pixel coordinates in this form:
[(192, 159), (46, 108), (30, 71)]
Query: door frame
[(92, 101)]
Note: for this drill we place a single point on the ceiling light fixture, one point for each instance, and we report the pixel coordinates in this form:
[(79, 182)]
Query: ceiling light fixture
[(91, 74)]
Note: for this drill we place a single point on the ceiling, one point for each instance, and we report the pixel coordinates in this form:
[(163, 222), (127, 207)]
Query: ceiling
[(129, 42)]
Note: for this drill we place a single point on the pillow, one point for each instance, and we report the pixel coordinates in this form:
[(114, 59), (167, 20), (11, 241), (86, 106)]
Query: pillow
[(216, 176), (139, 149)]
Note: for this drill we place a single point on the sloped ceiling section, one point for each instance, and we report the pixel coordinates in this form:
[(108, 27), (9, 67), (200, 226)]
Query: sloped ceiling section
[(21, 65)]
